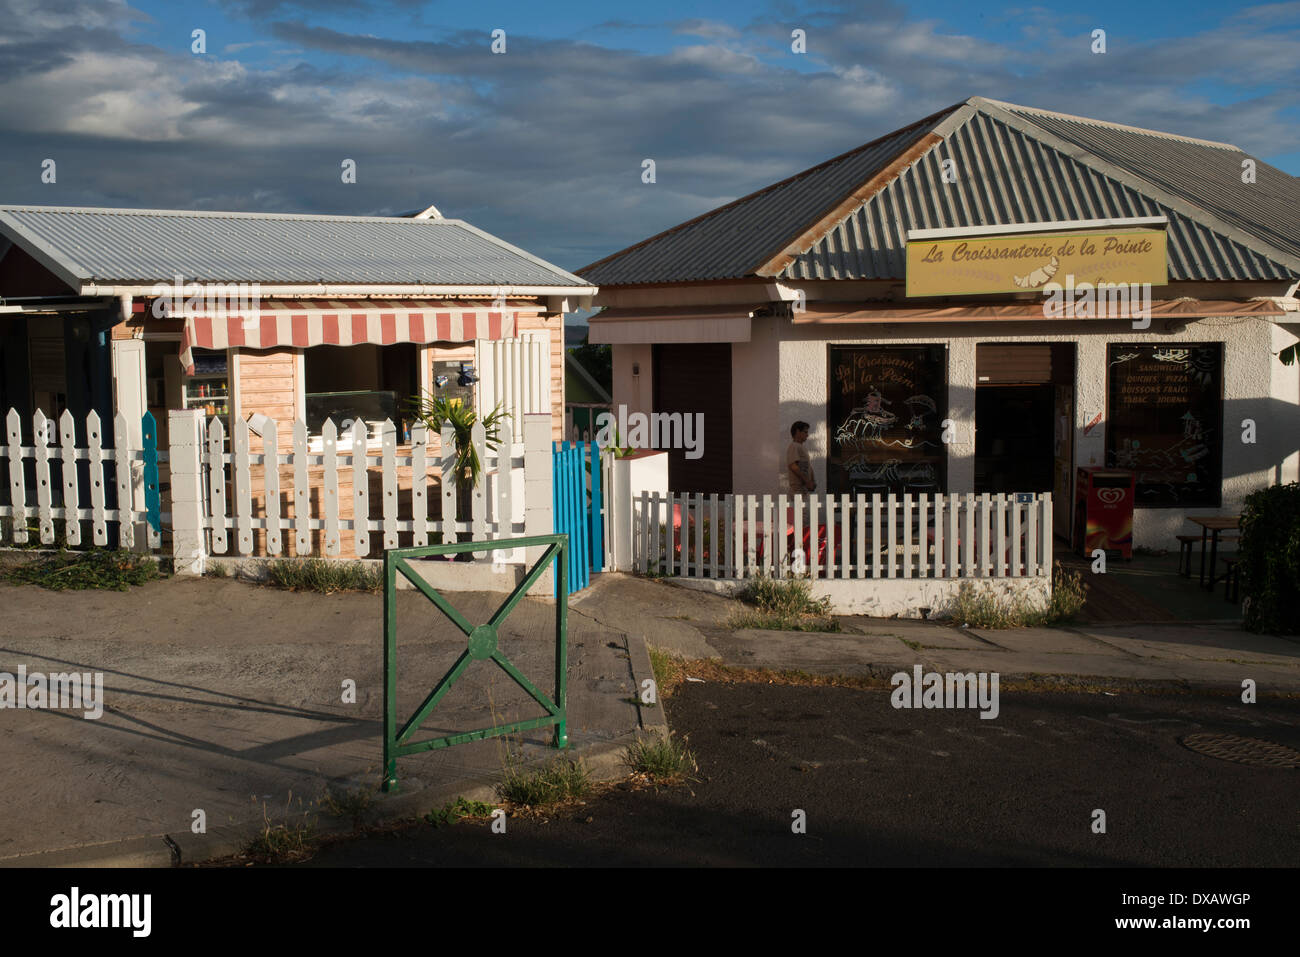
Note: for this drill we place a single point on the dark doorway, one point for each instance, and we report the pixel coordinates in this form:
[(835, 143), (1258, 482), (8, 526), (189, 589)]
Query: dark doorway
[(690, 380), (1024, 429), (1013, 438)]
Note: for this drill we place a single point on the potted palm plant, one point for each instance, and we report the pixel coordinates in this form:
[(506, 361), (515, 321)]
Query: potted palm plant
[(435, 411)]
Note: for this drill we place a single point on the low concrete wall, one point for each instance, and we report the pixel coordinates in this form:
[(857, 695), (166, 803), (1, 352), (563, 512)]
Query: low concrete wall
[(898, 597), (441, 574)]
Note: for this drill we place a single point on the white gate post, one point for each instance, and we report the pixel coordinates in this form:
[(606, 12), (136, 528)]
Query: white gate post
[(539, 483), (130, 400), (185, 427)]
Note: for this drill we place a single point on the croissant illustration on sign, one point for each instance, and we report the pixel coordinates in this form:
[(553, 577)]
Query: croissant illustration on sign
[(1039, 275)]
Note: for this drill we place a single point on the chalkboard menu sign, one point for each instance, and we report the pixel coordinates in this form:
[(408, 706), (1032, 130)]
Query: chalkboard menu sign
[(1165, 421), (886, 406)]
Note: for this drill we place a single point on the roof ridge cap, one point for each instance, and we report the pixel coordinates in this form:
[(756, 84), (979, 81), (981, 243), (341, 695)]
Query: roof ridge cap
[(978, 101), (218, 214)]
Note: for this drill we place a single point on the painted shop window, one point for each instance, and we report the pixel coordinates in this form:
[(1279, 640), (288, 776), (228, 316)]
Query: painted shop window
[(886, 406), (1165, 421)]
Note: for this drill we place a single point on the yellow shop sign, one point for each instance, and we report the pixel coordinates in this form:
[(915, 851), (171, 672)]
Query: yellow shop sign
[(973, 265)]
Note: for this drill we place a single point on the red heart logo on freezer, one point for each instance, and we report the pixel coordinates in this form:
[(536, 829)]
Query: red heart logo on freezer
[(1111, 495)]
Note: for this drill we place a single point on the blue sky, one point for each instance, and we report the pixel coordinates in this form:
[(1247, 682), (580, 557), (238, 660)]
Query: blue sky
[(543, 145)]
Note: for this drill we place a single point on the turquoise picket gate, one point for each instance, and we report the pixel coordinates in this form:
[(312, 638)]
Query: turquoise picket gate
[(578, 503)]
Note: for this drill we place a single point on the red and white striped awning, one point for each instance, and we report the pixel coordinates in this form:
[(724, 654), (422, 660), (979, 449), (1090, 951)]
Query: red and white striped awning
[(301, 324)]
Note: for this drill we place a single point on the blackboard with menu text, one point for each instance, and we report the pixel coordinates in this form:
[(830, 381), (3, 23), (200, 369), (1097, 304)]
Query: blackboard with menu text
[(1164, 421)]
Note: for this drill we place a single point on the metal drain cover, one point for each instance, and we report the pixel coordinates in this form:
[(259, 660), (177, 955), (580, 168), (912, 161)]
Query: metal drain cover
[(1252, 751)]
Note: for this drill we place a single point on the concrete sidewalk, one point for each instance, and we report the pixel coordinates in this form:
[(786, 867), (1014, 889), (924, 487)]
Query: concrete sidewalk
[(1209, 656), (226, 697)]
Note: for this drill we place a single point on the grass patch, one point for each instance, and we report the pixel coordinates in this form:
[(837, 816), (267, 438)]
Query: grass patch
[(785, 605), (987, 610), (665, 759), (668, 670), (281, 843), (561, 780), (278, 843), (323, 576), (351, 803), (214, 570), (458, 809), (114, 570)]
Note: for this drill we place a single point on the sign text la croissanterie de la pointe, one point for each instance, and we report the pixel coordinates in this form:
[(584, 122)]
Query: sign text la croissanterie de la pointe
[(1026, 262)]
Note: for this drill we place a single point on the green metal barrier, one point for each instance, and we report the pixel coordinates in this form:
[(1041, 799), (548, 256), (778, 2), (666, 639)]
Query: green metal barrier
[(482, 645)]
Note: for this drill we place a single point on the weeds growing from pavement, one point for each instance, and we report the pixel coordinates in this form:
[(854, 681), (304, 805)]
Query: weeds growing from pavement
[(561, 780), (293, 840), (987, 610), (667, 669), (350, 803), (460, 808), (325, 577), (666, 759), (783, 605), (114, 570)]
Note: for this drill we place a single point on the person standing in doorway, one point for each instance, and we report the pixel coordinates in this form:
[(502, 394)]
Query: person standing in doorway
[(798, 463)]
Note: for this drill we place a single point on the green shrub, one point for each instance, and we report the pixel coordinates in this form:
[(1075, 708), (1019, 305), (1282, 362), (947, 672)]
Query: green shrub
[(1268, 557)]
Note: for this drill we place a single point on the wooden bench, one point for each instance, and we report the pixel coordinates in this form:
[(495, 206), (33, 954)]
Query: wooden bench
[(1230, 580), (1185, 545)]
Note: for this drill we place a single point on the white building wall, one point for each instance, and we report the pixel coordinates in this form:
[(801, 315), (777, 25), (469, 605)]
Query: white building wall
[(1255, 384), (760, 428), (634, 391)]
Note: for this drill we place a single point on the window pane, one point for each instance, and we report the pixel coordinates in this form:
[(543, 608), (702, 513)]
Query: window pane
[(1165, 421)]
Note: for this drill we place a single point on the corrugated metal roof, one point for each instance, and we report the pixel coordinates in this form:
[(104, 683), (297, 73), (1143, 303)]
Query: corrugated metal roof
[(1006, 176), (148, 246), (1209, 174), (1015, 165), (724, 244)]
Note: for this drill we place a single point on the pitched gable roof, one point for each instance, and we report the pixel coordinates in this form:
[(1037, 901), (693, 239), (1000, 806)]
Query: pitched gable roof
[(1014, 165), (84, 245)]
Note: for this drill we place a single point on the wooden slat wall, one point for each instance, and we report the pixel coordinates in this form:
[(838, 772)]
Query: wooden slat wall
[(555, 326), (998, 363), (268, 383)]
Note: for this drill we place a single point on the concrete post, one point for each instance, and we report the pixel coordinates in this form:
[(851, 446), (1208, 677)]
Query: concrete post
[(185, 427), (129, 399), (539, 484), (643, 471)]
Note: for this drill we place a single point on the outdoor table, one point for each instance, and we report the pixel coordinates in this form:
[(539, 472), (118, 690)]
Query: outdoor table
[(1212, 525)]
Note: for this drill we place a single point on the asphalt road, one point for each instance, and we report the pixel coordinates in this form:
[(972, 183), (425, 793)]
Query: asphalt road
[(886, 787)]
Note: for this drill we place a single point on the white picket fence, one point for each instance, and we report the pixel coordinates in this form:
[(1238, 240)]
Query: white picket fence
[(44, 484), (496, 504), (959, 535)]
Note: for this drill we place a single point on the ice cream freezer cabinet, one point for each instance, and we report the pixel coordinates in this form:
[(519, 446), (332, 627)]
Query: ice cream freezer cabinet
[(1103, 511)]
